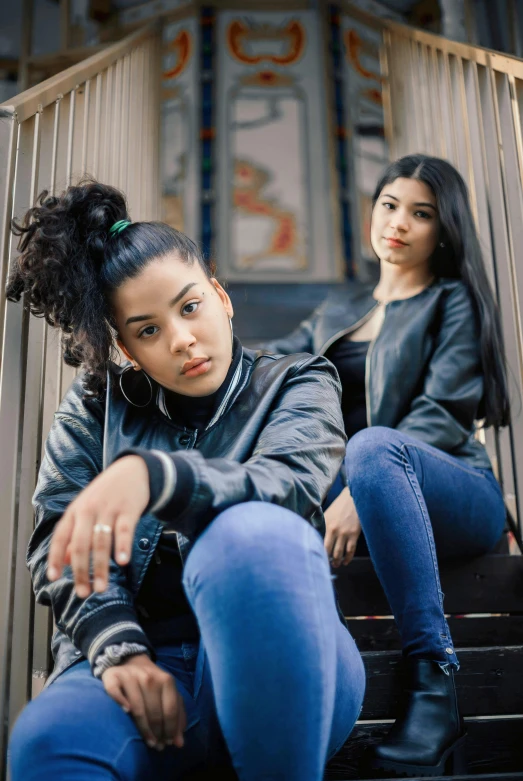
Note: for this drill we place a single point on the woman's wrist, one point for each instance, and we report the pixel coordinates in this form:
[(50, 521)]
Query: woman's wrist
[(161, 475)]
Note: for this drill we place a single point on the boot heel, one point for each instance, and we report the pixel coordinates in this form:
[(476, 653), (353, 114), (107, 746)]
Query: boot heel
[(457, 762)]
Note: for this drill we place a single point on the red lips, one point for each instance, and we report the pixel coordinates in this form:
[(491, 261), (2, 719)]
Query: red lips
[(188, 365)]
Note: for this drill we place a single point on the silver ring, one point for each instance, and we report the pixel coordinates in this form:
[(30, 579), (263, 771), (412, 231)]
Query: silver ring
[(104, 528)]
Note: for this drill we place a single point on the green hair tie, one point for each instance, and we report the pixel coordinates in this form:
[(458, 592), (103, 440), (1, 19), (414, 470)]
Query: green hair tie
[(118, 227)]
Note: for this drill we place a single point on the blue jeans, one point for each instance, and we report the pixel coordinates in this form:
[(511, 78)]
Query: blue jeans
[(417, 503), (275, 685)]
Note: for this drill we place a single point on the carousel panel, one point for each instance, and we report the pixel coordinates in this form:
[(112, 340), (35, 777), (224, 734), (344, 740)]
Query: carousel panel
[(273, 175)]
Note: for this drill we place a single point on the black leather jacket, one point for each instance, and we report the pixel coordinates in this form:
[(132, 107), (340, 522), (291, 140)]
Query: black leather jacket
[(423, 371), (279, 439)]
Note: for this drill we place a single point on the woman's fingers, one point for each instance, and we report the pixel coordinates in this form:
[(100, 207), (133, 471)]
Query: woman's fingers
[(123, 538), (81, 544), (173, 714), (139, 711), (339, 549), (102, 543), (152, 697), (60, 544), (350, 549), (329, 541), (114, 689)]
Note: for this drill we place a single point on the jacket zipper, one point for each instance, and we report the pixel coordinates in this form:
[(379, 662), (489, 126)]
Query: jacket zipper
[(346, 332)]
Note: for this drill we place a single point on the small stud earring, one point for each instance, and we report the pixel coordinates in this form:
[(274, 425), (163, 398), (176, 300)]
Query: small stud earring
[(442, 244)]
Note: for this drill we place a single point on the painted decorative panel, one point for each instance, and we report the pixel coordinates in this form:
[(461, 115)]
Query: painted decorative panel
[(275, 199), (180, 152), (366, 145)]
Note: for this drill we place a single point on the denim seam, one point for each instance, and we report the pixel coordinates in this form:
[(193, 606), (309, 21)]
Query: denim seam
[(428, 529)]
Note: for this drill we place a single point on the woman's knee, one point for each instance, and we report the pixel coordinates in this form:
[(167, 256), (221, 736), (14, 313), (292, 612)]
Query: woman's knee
[(370, 451), (249, 533)]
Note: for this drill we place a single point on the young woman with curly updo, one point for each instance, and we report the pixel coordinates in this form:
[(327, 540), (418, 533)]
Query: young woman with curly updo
[(203, 632)]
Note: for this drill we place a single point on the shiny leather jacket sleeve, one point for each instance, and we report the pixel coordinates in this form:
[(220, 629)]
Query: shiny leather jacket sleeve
[(293, 463), (443, 414), (73, 457)]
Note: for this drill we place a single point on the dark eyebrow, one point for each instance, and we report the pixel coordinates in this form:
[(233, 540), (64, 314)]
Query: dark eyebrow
[(172, 302), (421, 203)]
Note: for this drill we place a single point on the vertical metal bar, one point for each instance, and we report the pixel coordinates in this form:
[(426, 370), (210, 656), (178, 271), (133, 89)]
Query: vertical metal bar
[(97, 124), (146, 157), (426, 96), (156, 129), (54, 157), (116, 111), (105, 148), (130, 150), (459, 115), (446, 106), (139, 136), (70, 137), (437, 98), (8, 150), (124, 139), (85, 129)]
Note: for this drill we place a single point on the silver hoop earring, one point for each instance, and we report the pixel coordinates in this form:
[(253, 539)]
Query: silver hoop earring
[(124, 394), (232, 332)]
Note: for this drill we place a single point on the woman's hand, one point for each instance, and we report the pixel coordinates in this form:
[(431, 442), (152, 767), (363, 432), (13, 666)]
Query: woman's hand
[(111, 504), (150, 695), (343, 529)]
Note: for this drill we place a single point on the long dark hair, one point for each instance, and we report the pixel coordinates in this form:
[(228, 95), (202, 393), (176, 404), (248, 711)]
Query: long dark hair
[(69, 264), (461, 258)]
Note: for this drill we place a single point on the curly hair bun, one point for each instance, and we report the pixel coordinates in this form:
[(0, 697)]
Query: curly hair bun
[(60, 266)]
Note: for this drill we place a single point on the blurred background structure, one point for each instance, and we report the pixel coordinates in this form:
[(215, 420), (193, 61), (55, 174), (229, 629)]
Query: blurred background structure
[(260, 127), (272, 124)]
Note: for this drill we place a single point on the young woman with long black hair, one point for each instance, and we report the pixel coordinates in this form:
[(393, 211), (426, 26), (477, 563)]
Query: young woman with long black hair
[(204, 632), (420, 357)]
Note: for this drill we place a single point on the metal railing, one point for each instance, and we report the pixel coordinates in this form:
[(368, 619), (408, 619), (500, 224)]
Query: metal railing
[(464, 103), (99, 117)]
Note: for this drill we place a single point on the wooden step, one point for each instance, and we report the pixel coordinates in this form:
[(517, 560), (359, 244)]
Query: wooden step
[(494, 745), (488, 584), (489, 683), (382, 634)]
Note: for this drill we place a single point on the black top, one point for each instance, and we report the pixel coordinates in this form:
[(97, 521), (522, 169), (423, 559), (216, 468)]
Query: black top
[(349, 359), (162, 602)]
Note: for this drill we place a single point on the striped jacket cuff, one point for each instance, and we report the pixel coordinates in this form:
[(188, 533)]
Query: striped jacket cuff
[(116, 623)]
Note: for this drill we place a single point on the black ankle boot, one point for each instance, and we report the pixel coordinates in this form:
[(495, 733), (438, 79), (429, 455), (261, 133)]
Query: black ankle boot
[(428, 735)]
